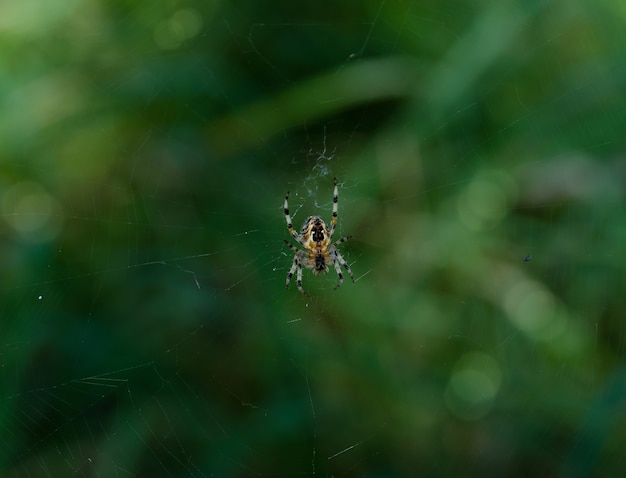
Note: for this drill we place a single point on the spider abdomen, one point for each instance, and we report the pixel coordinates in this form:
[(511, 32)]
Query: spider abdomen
[(320, 262)]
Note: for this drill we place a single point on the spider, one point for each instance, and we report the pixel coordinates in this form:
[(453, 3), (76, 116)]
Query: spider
[(319, 253)]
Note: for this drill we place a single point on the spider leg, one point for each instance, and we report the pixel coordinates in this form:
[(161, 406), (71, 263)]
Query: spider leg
[(333, 221), (299, 280), (339, 259), (291, 246), (290, 228), (339, 273), (342, 240), (296, 268)]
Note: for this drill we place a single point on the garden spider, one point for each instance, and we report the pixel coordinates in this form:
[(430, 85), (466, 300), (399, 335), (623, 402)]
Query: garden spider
[(319, 253)]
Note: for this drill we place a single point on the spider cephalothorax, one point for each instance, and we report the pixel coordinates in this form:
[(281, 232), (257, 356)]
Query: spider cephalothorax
[(315, 230), (319, 253)]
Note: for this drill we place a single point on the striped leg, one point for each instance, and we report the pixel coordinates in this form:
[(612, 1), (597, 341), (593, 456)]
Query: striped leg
[(296, 268), (333, 222), (299, 280), (339, 259), (342, 240), (290, 228), (339, 273)]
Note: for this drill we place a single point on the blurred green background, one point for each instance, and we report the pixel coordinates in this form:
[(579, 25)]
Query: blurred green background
[(145, 150)]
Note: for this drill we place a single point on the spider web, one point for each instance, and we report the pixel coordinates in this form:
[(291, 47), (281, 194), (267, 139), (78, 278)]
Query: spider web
[(147, 149)]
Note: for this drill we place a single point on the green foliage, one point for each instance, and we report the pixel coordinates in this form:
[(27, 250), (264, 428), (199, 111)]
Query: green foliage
[(146, 151)]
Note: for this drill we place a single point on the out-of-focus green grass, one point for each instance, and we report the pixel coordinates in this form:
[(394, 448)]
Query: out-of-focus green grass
[(145, 153)]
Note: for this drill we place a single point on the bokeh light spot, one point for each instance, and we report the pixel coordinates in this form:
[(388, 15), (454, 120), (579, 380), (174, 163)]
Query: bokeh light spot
[(473, 386), (31, 212), (535, 311), (186, 23), (486, 200)]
